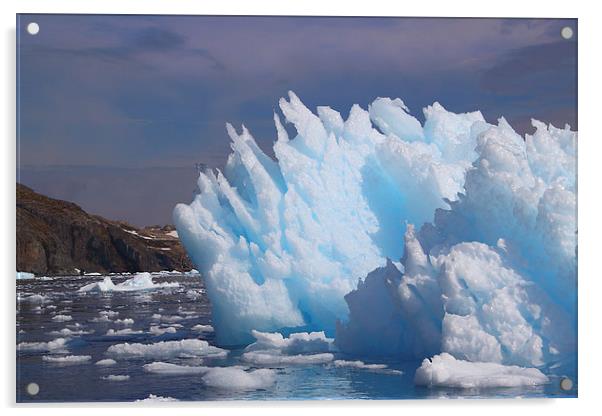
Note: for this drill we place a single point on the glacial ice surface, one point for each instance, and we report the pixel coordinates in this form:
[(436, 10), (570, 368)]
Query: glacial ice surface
[(461, 234)]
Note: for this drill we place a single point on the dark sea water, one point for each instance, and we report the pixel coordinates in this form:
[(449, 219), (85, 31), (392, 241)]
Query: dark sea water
[(186, 306)]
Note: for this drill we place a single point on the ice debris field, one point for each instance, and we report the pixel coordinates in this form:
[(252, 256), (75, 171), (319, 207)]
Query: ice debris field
[(452, 242)]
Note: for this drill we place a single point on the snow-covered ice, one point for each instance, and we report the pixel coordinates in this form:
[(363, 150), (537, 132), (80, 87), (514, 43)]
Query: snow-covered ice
[(446, 371), (141, 281)]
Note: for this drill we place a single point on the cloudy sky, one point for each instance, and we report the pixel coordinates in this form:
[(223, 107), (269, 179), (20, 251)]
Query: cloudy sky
[(114, 110)]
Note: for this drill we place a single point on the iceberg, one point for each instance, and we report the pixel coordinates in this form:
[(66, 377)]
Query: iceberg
[(397, 238)]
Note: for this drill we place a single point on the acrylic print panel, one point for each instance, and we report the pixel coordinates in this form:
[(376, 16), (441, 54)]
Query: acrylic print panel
[(267, 208)]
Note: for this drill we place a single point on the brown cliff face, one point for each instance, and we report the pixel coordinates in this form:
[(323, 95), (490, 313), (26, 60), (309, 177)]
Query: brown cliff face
[(57, 237)]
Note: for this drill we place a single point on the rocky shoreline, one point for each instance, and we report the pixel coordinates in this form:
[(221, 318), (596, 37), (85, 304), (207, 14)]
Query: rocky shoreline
[(56, 237)]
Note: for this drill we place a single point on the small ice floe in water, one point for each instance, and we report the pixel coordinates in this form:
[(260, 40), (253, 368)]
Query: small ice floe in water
[(126, 321), (444, 370), (57, 345), (112, 377), (299, 348), (297, 343), (62, 318), (25, 276), (35, 299), (235, 378), (202, 328), (157, 399), (167, 349), (275, 357), (106, 362), (101, 318), (159, 367), (157, 330), (377, 368), (66, 332), (109, 313), (68, 359), (141, 281), (227, 378), (171, 319), (121, 332)]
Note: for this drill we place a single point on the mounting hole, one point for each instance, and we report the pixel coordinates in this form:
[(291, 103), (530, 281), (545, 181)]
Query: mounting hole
[(566, 32), (566, 384), (33, 28), (33, 389)]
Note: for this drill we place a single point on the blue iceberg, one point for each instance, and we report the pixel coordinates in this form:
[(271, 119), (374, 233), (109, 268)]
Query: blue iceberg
[(397, 238)]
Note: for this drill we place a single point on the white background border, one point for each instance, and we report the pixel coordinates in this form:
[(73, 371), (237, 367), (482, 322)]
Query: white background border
[(590, 187)]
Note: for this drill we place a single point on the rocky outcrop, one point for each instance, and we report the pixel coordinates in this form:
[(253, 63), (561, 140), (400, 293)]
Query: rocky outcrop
[(58, 237)]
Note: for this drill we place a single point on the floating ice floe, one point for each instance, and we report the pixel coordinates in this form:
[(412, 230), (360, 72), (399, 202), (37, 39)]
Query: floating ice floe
[(105, 362), (141, 281), (113, 377), (275, 357), (378, 368), (57, 345), (202, 328), (35, 299), (157, 399), (67, 332), (446, 371), (227, 378), (122, 332), (125, 322), (62, 318), (167, 349), (25, 275), (296, 349), (157, 330), (68, 359), (174, 369)]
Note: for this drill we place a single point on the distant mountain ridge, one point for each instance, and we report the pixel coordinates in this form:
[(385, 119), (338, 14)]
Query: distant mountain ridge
[(57, 237)]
